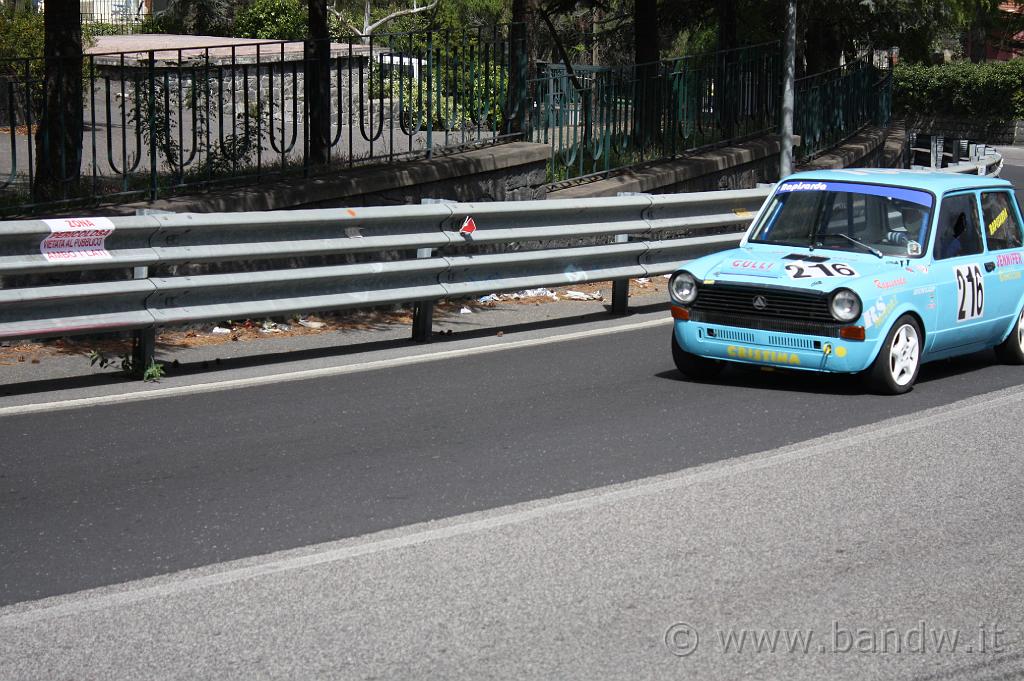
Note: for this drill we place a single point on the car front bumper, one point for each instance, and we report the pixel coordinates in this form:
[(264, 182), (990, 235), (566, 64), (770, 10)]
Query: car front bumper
[(774, 348)]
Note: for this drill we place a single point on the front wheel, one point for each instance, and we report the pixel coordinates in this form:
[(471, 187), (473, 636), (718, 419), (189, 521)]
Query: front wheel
[(895, 369), (694, 366), (1011, 350)]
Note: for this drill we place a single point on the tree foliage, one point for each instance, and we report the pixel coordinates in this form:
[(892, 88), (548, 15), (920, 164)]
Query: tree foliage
[(827, 30), (272, 20), (193, 17)]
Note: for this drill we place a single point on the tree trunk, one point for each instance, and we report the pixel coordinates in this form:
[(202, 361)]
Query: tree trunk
[(727, 80), (647, 52), (645, 25), (519, 68), (59, 138), (823, 45), (318, 84)]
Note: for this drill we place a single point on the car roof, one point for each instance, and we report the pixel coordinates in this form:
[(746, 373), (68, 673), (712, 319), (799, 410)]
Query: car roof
[(930, 180)]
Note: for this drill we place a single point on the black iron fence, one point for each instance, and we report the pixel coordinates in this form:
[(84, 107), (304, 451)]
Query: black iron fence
[(156, 121)]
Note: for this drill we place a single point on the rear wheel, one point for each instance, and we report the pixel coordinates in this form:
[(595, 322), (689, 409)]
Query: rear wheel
[(1011, 350), (694, 366), (895, 369)]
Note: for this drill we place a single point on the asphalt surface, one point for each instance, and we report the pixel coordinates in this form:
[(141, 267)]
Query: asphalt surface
[(363, 470), (104, 494), (889, 552)]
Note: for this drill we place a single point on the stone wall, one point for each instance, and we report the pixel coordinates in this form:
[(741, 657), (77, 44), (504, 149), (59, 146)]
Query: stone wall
[(997, 133), (271, 89)]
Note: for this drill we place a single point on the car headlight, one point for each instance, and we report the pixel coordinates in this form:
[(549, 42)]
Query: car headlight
[(683, 288), (845, 305)]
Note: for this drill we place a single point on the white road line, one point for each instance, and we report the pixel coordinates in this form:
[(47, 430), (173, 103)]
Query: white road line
[(305, 374), (297, 559)]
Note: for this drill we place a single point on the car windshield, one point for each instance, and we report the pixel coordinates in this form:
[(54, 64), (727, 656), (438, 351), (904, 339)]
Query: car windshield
[(847, 216)]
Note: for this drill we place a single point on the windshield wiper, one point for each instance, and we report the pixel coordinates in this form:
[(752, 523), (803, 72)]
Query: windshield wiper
[(869, 249)]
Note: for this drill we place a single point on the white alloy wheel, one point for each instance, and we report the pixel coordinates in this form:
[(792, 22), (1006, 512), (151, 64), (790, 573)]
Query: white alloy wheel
[(905, 353)]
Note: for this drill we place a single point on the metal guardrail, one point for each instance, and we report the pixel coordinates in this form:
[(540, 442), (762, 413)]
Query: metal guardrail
[(987, 162), (954, 155), (648, 235)]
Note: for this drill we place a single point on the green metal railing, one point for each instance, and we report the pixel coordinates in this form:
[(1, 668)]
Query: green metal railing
[(601, 119), (833, 105)]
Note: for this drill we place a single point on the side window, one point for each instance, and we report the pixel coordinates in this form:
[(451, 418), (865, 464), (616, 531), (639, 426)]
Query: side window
[(1001, 227), (959, 232)]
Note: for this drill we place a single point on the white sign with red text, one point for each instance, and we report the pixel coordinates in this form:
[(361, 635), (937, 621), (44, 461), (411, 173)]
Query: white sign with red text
[(77, 239)]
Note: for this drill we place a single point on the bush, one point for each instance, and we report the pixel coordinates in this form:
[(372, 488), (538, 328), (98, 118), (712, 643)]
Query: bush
[(272, 20), (457, 103), (990, 91), (21, 33)]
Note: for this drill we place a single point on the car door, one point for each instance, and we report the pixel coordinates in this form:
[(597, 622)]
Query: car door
[(964, 275), (1001, 217)]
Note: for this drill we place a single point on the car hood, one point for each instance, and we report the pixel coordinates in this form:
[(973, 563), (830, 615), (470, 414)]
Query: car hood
[(812, 270)]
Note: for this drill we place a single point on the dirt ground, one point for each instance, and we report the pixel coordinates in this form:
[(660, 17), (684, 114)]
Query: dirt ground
[(351, 320)]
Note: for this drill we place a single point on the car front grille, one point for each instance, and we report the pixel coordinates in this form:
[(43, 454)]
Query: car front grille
[(779, 303), (766, 324), (765, 308)]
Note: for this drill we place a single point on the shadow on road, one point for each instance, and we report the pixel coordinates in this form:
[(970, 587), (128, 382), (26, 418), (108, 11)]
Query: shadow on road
[(176, 368), (789, 380)]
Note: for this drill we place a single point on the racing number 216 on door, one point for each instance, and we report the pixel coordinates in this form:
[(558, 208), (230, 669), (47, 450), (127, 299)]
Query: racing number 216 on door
[(970, 292)]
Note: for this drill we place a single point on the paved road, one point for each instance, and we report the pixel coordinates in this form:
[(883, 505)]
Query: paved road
[(104, 494), (892, 551), (362, 480)]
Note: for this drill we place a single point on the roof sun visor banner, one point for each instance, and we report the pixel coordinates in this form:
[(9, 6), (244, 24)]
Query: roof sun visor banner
[(911, 195)]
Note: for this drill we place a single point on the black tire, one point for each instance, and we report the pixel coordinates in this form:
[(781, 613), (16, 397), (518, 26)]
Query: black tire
[(895, 370), (693, 366), (1011, 350)]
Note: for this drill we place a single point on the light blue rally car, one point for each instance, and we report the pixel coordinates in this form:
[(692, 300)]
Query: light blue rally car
[(847, 271)]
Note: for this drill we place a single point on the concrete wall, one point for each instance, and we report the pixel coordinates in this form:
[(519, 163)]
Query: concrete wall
[(734, 167), (745, 165), (517, 171), (872, 147), (507, 172)]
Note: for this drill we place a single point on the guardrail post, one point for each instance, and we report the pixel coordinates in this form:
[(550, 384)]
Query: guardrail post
[(937, 146), (143, 340), (620, 287), (423, 311)]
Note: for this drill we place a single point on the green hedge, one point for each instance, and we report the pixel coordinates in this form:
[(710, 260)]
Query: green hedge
[(990, 91)]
